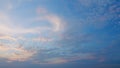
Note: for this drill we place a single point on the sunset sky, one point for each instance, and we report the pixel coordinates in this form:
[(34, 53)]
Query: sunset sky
[(59, 33)]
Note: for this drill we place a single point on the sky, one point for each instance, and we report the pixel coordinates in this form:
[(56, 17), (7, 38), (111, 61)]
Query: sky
[(59, 33)]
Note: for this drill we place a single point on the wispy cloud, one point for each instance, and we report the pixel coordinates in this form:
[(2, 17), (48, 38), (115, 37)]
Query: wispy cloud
[(5, 37), (59, 32), (42, 39), (9, 5), (7, 26), (6, 29), (55, 61), (56, 21), (12, 53), (41, 10), (65, 59)]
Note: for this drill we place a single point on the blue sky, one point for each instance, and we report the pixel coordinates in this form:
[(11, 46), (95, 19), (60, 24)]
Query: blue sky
[(59, 33)]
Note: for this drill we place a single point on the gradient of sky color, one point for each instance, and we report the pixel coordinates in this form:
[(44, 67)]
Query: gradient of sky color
[(59, 33)]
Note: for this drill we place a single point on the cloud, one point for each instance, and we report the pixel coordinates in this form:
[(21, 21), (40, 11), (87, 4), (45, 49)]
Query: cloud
[(55, 20), (6, 29), (85, 2), (8, 5), (55, 61), (4, 18), (7, 38), (12, 53), (7, 26), (82, 56), (42, 39), (65, 59), (41, 10), (14, 33)]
